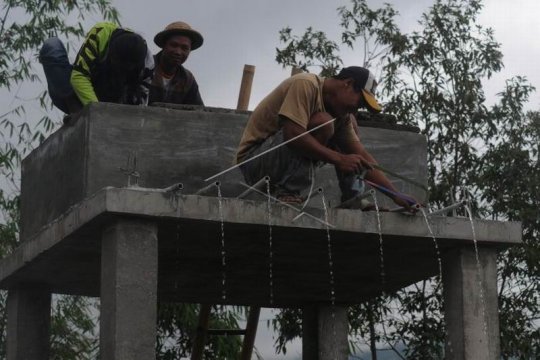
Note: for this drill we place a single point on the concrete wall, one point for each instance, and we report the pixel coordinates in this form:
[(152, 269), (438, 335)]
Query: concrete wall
[(169, 145)]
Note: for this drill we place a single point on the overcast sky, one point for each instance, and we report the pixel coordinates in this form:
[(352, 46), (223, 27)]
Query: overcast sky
[(239, 32)]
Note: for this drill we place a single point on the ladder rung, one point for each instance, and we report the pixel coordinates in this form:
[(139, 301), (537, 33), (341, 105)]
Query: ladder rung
[(226, 332)]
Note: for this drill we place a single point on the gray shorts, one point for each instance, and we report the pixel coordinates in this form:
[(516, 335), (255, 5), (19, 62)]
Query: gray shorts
[(289, 172)]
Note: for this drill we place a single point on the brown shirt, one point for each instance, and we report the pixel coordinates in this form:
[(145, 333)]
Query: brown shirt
[(297, 99)]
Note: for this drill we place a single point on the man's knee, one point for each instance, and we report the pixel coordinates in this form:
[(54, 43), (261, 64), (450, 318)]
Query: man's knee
[(324, 133)]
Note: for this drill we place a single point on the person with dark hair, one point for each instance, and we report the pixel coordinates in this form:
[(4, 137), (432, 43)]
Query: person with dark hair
[(315, 115), (111, 66), (171, 81)]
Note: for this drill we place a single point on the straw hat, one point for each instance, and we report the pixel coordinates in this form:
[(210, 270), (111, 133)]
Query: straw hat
[(179, 28)]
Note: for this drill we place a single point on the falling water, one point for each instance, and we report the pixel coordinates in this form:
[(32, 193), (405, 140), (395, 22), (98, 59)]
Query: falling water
[(270, 248), (331, 270), (435, 243), (381, 249), (478, 270), (177, 255), (330, 261), (223, 253), (439, 261)]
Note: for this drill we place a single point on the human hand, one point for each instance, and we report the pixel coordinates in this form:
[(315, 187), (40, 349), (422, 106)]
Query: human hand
[(352, 163)]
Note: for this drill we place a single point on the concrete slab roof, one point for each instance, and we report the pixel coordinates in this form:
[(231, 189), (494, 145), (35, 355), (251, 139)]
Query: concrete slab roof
[(65, 255)]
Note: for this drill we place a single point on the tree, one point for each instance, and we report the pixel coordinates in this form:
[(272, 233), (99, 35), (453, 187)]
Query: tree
[(24, 25), (432, 78), (177, 324), (510, 183)]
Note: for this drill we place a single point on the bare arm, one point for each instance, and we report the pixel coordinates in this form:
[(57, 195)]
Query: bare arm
[(377, 176), (310, 147)]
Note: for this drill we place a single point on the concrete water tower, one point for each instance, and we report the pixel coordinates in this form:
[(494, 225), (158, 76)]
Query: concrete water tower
[(98, 219)]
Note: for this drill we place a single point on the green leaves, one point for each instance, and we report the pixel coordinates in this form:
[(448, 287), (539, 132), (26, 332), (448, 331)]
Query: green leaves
[(177, 324), (312, 49), (433, 78)]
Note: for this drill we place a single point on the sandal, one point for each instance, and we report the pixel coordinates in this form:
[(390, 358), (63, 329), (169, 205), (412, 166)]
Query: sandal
[(293, 199)]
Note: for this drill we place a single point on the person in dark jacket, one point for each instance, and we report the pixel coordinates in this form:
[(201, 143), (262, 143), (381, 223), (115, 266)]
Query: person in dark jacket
[(171, 81), (111, 66)]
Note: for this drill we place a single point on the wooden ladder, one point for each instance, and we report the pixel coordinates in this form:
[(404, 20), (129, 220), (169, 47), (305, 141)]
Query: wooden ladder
[(202, 332)]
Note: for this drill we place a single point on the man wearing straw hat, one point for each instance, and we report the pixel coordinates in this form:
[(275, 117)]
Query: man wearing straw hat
[(307, 120), (172, 82)]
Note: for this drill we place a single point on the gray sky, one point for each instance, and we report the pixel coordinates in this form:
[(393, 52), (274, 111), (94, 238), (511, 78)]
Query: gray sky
[(239, 32)]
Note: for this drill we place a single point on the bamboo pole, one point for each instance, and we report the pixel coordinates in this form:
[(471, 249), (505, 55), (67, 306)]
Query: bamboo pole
[(200, 334), (251, 332), (245, 87), (253, 317)]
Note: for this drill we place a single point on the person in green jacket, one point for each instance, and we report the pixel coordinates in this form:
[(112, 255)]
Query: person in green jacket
[(112, 65)]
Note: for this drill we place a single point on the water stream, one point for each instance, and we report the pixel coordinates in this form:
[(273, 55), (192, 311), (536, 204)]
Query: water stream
[(439, 262), (223, 252), (478, 270), (330, 260), (177, 245), (435, 244), (270, 245), (381, 248), (331, 273)]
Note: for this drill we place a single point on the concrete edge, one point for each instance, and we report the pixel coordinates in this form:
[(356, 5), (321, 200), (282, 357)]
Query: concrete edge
[(159, 203), (54, 232), (156, 202)]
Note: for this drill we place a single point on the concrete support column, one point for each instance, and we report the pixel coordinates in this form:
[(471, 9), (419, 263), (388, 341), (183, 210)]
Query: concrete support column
[(325, 330), (129, 258), (28, 323), (472, 318)]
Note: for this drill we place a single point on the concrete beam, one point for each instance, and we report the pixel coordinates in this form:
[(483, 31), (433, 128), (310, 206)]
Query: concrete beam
[(28, 323), (129, 290), (325, 330), (471, 305)]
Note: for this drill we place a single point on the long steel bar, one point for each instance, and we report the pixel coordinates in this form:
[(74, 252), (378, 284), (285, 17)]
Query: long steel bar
[(289, 206), (271, 149), (257, 185), (174, 187), (402, 209), (350, 201), (207, 188), (448, 208)]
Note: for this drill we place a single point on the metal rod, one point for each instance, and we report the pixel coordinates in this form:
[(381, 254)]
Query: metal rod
[(207, 188), (313, 195), (445, 210), (386, 191), (319, 191), (364, 195), (289, 206), (404, 209), (174, 187), (257, 185), (269, 150)]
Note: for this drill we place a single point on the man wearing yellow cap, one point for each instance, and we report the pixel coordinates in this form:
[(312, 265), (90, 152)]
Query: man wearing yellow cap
[(298, 105), (172, 82)]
